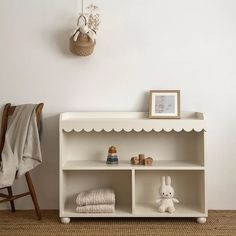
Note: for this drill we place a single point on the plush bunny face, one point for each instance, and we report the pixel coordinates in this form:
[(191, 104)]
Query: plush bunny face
[(166, 191), (84, 29)]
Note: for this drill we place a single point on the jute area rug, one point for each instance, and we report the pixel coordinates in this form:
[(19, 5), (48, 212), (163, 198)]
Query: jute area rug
[(219, 223)]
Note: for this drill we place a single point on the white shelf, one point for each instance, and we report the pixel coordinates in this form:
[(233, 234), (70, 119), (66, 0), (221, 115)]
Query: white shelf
[(176, 145), (120, 211), (182, 210), (125, 165)]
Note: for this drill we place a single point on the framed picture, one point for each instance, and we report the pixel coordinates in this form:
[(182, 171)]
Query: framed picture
[(164, 104)]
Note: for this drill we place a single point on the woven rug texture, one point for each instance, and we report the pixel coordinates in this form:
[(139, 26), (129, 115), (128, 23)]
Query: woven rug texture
[(24, 223)]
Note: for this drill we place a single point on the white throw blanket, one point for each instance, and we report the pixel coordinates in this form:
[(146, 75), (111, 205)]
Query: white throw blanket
[(96, 197), (21, 151), (102, 208)]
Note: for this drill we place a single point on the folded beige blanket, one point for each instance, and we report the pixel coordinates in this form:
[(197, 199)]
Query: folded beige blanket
[(95, 197), (103, 208)]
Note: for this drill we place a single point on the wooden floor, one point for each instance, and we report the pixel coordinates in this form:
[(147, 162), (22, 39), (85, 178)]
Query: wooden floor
[(219, 223)]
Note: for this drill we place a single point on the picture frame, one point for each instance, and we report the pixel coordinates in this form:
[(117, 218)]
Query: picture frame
[(164, 104)]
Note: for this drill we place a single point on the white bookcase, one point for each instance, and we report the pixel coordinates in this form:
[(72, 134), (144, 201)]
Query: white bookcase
[(176, 145)]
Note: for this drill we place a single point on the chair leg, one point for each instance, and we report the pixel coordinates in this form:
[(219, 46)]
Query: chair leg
[(9, 189), (33, 195)]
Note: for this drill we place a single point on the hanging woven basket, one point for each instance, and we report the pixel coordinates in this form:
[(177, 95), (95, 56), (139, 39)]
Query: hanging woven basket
[(83, 46)]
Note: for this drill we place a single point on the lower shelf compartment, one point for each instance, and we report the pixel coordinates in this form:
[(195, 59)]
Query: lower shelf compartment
[(189, 189), (83, 180), (182, 210), (136, 192)]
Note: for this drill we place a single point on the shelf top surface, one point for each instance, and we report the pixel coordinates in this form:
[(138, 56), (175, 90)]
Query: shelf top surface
[(124, 115), (125, 165), (129, 121)]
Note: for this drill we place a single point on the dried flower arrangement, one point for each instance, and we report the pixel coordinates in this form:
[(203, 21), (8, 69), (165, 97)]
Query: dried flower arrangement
[(93, 17)]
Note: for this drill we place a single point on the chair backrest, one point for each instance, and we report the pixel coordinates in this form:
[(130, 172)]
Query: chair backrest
[(8, 111)]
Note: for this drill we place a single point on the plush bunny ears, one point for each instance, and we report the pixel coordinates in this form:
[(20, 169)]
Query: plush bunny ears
[(166, 180)]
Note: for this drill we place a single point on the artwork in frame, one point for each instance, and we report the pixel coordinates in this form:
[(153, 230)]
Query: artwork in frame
[(164, 104)]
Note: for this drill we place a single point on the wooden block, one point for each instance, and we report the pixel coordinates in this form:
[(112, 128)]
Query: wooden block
[(148, 161), (134, 161), (141, 158)]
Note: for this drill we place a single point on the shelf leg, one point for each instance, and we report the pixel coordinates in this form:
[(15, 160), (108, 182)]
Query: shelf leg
[(201, 220), (65, 220)]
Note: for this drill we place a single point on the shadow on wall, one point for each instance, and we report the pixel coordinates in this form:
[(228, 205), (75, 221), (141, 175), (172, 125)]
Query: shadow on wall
[(47, 174), (144, 103), (62, 39), (1, 110)]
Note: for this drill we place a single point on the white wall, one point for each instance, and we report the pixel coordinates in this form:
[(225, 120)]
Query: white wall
[(142, 45)]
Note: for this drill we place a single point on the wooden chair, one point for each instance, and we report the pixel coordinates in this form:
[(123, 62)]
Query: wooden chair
[(8, 111)]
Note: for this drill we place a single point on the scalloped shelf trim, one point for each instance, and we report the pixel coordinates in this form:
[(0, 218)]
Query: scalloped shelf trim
[(132, 129)]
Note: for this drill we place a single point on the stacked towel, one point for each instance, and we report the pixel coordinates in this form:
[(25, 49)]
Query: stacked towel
[(96, 201), (102, 208)]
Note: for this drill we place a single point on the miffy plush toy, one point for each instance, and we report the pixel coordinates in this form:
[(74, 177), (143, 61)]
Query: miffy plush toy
[(167, 200)]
